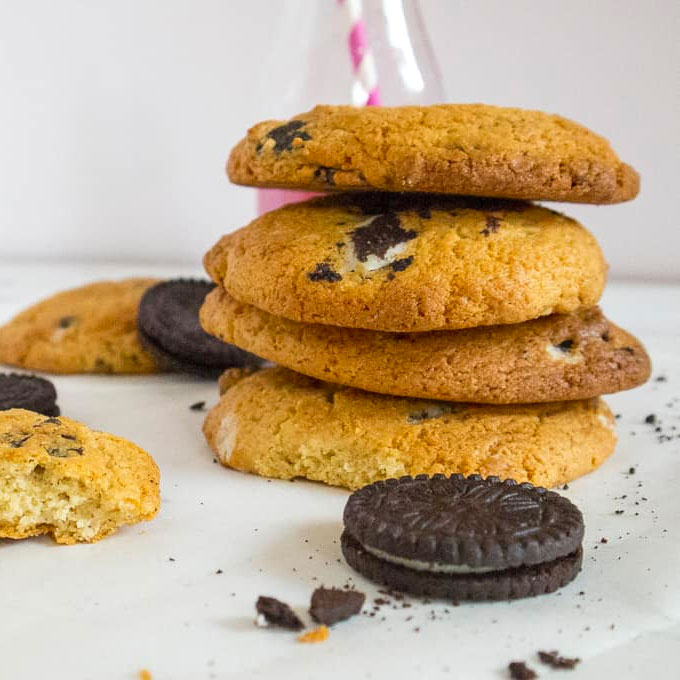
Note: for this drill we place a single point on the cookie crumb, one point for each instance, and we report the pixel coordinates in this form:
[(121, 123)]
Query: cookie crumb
[(319, 634), (198, 406), (276, 613), (145, 674), (520, 671), (330, 605), (554, 660)]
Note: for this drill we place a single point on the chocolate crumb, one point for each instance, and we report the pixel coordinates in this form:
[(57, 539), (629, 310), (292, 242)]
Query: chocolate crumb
[(277, 613), (324, 272), (219, 571), (198, 406), (660, 378), (330, 605), (650, 419), (631, 471), (520, 671), (554, 660), (604, 540)]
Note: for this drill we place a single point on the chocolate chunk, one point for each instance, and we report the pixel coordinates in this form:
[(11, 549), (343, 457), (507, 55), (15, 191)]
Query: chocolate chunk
[(330, 605), (565, 346), (169, 328), (435, 411), (64, 452), (379, 235), (520, 671), (400, 265), (277, 613), (67, 321), (28, 392), (324, 272), (554, 660), (18, 443), (325, 175), (49, 421), (493, 223), (285, 135)]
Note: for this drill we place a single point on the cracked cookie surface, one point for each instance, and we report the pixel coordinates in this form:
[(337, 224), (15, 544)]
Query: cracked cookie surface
[(405, 263), (59, 477), (90, 329), (277, 423), (555, 358), (467, 149)]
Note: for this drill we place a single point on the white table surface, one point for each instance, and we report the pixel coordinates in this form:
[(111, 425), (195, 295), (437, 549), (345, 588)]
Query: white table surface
[(110, 609)]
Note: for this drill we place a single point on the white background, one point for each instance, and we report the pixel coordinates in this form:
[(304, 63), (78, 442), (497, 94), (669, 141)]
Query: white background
[(116, 117)]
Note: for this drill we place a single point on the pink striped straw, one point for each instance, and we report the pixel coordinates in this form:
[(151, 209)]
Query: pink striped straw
[(363, 62)]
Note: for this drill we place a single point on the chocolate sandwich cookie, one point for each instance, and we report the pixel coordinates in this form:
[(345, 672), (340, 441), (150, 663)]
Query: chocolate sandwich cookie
[(554, 358), (463, 538), (467, 149), (90, 329), (278, 423), (169, 328), (28, 392), (410, 263)]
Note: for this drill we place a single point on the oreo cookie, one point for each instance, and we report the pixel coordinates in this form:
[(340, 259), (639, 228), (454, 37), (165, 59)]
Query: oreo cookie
[(463, 538), (169, 328), (29, 392)]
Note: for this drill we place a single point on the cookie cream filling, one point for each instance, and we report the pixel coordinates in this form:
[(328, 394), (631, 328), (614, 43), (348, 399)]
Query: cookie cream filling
[(432, 567)]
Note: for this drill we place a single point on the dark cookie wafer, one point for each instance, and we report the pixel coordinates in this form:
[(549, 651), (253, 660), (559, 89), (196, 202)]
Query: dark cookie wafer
[(28, 392), (463, 537), (330, 605), (169, 328)]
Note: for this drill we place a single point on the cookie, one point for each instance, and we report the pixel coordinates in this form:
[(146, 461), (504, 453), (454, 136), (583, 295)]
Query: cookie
[(555, 358), (277, 423), (28, 392), (331, 605), (169, 328), (410, 263), (468, 149), (59, 477), (273, 612), (91, 329), (463, 538)]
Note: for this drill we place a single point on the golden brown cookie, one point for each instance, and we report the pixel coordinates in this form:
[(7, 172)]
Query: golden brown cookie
[(59, 477), (410, 263), (556, 358), (468, 149), (91, 329), (277, 423)]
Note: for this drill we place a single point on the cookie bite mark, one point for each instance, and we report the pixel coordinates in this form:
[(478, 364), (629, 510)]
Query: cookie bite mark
[(564, 351), (283, 137), (493, 223), (324, 272)]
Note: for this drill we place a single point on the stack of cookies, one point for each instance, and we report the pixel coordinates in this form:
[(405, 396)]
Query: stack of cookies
[(428, 318)]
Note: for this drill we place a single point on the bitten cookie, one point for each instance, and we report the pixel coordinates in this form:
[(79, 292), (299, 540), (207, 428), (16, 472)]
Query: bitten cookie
[(91, 329), (59, 477), (277, 423), (468, 149), (410, 263), (556, 358), (169, 328), (463, 537)]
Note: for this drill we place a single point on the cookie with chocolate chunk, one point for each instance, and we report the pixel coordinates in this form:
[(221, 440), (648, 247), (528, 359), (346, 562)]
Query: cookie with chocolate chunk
[(59, 477), (278, 423), (410, 263), (467, 149), (169, 328), (90, 329), (28, 392), (463, 538), (555, 358)]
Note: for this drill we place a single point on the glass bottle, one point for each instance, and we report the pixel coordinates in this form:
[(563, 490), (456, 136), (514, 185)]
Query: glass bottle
[(320, 65)]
